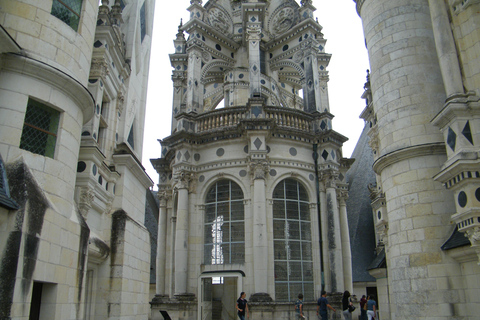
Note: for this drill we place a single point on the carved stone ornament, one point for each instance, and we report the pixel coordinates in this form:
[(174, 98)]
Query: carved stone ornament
[(259, 169), (99, 68), (87, 196), (220, 20), (164, 194), (185, 180), (474, 236), (283, 20), (330, 178)]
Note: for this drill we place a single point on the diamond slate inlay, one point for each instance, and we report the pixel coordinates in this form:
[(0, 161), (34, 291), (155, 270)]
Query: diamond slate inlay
[(187, 155), (323, 125), (256, 111), (451, 139), (325, 154), (467, 133), (257, 143)]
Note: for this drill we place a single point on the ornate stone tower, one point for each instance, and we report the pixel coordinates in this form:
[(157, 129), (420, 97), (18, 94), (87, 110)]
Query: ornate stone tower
[(252, 191), (423, 110)]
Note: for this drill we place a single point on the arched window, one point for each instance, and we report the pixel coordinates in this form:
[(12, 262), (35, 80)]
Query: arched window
[(224, 228), (292, 242)]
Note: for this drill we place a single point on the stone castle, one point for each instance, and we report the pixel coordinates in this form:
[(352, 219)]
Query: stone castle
[(254, 193), (73, 79)]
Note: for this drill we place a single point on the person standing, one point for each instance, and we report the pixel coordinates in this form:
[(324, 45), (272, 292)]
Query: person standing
[(299, 307), (323, 306), (346, 301), (363, 309), (242, 306), (371, 307)]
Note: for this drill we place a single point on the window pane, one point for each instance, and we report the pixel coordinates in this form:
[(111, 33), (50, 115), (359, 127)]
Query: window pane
[(238, 233), (306, 232), (208, 254), (281, 291), (307, 251), (237, 193), (281, 271), (292, 210), (223, 210), (304, 211), (278, 229), (143, 23), (308, 292), (302, 193), (238, 252), (280, 251), (295, 252), (291, 189), (295, 289), (279, 192), (210, 213), (40, 128), (293, 230), (278, 209), (237, 210), (307, 271), (296, 271), (68, 11)]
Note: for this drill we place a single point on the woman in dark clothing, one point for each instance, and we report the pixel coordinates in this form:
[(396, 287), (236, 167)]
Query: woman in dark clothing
[(242, 306), (346, 301)]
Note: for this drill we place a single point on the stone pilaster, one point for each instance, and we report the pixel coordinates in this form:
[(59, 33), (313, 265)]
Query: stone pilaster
[(181, 235), (164, 195), (311, 87), (259, 170), (335, 253), (253, 37), (345, 235)]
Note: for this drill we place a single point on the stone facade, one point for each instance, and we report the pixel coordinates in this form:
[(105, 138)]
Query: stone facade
[(422, 107), (252, 194), (72, 108)]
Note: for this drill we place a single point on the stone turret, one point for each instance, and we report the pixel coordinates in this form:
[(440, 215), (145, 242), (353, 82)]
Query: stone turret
[(248, 203)]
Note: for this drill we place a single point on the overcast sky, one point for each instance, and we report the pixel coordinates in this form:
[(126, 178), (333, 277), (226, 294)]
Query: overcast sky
[(342, 28)]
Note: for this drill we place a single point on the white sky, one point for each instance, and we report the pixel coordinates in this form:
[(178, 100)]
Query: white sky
[(342, 28)]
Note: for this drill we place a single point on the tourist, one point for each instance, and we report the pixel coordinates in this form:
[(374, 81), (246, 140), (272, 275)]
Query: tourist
[(299, 307), (323, 306), (363, 308), (371, 307), (242, 306), (346, 302)]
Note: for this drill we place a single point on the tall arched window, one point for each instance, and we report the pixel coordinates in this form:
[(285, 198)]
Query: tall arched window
[(224, 228), (292, 242)]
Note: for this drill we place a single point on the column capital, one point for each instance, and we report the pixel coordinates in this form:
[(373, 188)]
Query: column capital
[(183, 179), (259, 168), (329, 177), (164, 194)]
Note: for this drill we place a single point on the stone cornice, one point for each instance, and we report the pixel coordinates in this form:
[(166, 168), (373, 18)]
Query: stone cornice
[(359, 5), (53, 76), (407, 153)]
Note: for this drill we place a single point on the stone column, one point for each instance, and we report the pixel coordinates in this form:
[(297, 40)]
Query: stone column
[(335, 253), (181, 235), (311, 87), (446, 50), (324, 226), (260, 239), (163, 196), (346, 248)]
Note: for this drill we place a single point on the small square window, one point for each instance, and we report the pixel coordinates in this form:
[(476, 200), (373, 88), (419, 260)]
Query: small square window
[(39, 133), (68, 11)]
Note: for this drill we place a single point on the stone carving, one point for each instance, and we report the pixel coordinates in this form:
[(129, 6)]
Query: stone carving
[(283, 20), (185, 180), (220, 20), (87, 195), (99, 68), (259, 169), (164, 194)]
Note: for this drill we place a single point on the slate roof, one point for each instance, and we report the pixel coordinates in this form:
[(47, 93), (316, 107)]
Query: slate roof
[(360, 217), (5, 200), (456, 240)]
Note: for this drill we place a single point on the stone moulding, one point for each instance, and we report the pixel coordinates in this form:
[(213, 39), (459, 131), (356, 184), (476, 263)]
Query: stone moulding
[(407, 153)]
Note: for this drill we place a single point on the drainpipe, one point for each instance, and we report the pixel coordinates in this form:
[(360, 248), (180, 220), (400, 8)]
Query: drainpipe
[(317, 186)]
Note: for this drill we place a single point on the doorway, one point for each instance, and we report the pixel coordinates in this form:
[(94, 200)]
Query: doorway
[(218, 294)]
